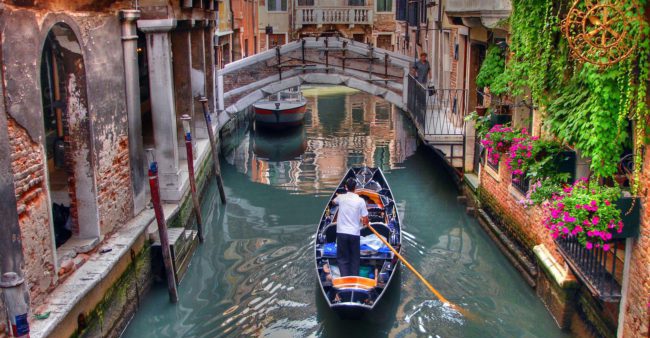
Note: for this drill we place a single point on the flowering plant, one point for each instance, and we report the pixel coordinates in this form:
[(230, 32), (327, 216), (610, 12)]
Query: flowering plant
[(586, 212), (498, 140), (520, 153)]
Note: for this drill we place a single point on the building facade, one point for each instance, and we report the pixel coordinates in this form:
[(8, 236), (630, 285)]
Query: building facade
[(88, 87)]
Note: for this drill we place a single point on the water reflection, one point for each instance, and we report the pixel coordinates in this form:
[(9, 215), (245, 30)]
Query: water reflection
[(254, 274), (340, 130)]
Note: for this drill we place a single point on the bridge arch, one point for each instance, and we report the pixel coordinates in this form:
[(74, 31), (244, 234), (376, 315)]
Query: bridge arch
[(329, 60), (315, 79)]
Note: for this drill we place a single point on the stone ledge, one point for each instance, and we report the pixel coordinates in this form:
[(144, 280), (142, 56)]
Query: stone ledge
[(78, 286), (561, 276)]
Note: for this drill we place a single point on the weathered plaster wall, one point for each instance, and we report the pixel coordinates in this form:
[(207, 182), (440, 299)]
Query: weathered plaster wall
[(33, 212), (107, 107), (100, 106)]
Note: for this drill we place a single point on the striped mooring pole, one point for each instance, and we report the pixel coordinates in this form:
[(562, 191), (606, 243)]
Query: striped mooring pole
[(162, 230), (186, 120)]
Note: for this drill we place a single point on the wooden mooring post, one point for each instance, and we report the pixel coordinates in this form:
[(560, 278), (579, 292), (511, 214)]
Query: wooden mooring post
[(186, 120), (162, 229), (215, 149)]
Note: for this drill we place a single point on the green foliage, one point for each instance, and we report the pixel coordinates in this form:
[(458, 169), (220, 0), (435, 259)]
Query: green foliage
[(492, 70), (481, 123), (586, 106)]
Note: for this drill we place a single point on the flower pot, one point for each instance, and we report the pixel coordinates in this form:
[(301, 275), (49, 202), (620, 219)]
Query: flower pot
[(632, 220), (499, 119), (480, 110), (620, 179)]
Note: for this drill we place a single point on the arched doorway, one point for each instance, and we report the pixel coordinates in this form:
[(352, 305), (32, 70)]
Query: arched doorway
[(71, 179)]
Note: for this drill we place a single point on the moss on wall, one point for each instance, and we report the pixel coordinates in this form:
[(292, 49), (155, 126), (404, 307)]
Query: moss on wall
[(120, 302), (507, 223)]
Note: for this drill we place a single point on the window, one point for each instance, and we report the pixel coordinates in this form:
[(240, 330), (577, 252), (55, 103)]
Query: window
[(277, 5), (305, 2), (276, 40), (384, 42), (401, 10), (356, 2), (384, 5)]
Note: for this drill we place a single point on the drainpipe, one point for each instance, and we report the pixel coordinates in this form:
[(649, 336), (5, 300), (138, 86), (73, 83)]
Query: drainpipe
[(129, 18)]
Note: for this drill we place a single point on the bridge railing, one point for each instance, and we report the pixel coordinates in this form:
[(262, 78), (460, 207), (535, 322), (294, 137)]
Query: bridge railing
[(438, 112), (309, 15)]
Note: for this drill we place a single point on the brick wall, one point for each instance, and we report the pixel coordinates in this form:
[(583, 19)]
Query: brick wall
[(114, 194), (637, 310), (524, 223), (33, 212)]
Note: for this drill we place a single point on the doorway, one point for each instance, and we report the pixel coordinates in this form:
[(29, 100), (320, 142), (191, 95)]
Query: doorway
[(70, 170)]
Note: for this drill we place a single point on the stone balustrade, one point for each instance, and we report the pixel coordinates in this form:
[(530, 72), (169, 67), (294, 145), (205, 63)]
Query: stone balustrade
[(350, 15)]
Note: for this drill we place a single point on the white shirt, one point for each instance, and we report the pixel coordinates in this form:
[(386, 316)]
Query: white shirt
[(351, 209)]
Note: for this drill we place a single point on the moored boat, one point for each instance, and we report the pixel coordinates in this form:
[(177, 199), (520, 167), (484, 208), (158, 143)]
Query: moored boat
[(284, 109), (353, 296)]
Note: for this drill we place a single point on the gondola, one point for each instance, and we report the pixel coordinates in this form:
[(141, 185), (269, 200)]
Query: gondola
[(352, 297)]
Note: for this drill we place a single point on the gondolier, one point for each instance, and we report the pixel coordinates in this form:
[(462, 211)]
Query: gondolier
[(352, 215)]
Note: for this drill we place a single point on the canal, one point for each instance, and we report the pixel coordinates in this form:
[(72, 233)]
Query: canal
[(254, 274)]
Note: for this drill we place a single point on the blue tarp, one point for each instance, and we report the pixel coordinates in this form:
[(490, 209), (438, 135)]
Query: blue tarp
[(329, 249)]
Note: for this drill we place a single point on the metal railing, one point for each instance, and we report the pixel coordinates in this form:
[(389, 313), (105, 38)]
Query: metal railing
[(521, 183), (334, 15), (437, 111), (597, 268)]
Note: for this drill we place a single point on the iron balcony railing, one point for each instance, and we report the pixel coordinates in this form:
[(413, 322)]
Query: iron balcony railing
[(597, 268), (521, 183), (438, 112), (350, 15)]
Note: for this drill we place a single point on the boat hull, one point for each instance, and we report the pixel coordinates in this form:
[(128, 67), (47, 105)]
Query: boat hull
[(352, 297), (286, 114)]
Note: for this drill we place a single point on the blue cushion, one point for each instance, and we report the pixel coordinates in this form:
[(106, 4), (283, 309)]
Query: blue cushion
[(329, 249)]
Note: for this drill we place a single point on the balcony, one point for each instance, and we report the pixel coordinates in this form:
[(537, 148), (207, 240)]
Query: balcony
[(479, 12), (345, 15)]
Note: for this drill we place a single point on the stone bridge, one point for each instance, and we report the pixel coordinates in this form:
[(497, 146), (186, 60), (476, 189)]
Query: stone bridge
[(325, 60), (438, 115)]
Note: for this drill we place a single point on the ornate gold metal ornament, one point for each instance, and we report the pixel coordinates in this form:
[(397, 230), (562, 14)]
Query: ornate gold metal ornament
[(599, 31)]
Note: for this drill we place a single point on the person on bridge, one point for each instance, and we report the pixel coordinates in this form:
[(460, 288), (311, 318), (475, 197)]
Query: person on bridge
[(352, 215), (422, 69)]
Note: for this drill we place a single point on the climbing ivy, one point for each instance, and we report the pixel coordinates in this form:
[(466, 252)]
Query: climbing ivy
[(490, 74), (585, 106)]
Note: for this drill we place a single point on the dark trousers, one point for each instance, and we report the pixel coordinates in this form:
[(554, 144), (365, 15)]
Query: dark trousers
[(347, 254)]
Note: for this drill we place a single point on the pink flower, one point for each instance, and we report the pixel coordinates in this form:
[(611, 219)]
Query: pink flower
[(565, 230), (589, 245), (578, 228), (595, 220), (606, 247), (555, 213), (607, 203), (569, 219)]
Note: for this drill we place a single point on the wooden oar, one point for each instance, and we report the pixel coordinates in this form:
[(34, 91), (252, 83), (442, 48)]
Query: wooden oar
[(431, 288)]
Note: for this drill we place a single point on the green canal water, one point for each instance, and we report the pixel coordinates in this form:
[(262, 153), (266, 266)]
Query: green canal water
[(254, 275)]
